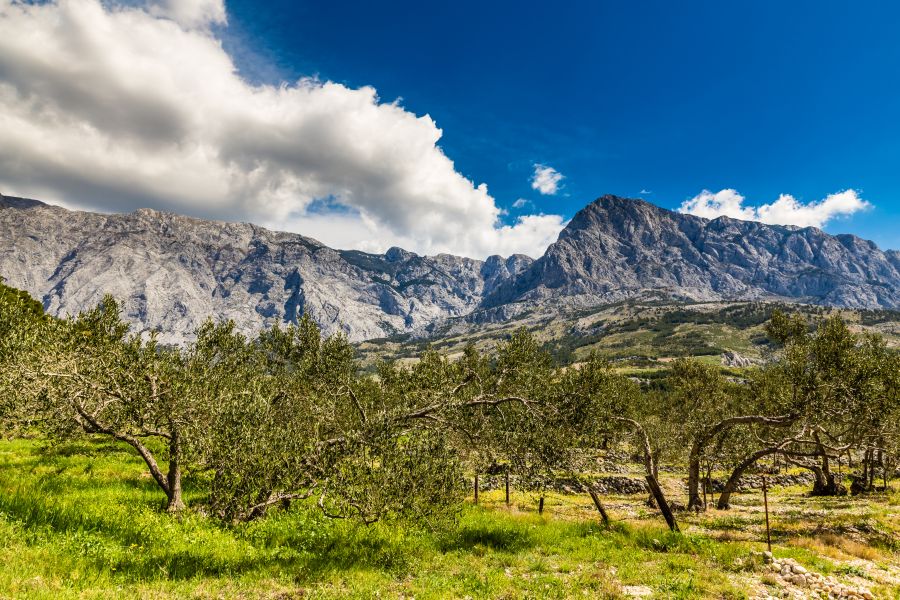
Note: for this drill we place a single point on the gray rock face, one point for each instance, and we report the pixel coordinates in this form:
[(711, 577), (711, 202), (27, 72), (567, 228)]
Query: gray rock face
[(173, 272), (617, 248), (731, 358)]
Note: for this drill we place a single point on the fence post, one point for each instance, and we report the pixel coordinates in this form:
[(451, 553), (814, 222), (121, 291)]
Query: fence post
[(662, 503), (476, 488), (766, 505), (599, 505)]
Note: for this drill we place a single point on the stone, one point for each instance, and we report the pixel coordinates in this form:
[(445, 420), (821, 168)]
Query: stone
[(733, 359), (637, 591)]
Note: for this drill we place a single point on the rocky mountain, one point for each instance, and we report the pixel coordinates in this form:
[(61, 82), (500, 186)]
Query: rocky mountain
[(172, 272), (616, 248)]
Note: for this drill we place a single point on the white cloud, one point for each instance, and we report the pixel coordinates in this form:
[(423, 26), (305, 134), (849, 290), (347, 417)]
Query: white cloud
[(114, 107), (546, 179), (644, 192), (191, 13), (786, 210), (536, 230), (521, 203), (726, 203)]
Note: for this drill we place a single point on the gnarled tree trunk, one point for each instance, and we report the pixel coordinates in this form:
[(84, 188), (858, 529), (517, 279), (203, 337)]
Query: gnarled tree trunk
[(734, 479), (173, 479), (705, 436), (825, 483), (652, 473)]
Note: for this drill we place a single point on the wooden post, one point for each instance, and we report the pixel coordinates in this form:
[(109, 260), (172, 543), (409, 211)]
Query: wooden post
[(507, 488), (476, 488), (599, 505), (661, 503), (541, 506), (872, 470), (766, 505), (865, 471)]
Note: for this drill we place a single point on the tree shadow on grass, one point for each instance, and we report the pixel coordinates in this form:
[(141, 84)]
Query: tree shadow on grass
[(497, 536), (345, 553), (88, 447), (190, 564), (180, 548), (334, 550)]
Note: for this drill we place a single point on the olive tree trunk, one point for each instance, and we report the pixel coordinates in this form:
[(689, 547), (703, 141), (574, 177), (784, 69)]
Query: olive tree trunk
[(738, 472), (695, 501), (652, 473), (173, 479)]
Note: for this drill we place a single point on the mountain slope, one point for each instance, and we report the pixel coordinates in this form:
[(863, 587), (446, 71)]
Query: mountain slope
[(616, 248), (173, 272)]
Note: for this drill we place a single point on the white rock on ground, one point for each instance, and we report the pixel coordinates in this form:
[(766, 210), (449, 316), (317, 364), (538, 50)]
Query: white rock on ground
[(810, 584)]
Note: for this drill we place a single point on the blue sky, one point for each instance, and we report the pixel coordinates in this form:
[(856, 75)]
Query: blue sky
[(764, 97), (474, 128)]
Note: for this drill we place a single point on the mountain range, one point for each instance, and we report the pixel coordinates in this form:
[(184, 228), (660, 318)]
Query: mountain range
[(172, 272)]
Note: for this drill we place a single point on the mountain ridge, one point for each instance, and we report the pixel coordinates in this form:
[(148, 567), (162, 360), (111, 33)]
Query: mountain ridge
[(172, 272), (645, 247)]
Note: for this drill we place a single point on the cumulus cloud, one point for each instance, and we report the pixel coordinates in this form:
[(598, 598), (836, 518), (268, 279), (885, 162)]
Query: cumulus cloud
[(546, 179), (191, 13), (115, 106), (727, 203), (786, 210)]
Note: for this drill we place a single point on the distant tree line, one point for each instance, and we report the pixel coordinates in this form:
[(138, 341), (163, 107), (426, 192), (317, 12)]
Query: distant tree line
[(259, 423)]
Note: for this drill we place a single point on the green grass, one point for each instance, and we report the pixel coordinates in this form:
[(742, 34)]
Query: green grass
[(83, 520)]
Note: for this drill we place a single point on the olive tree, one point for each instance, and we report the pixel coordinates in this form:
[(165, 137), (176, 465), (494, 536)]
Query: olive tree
[(90, 375), (709, 408), (602, 407), (22, 326), (839, 379), (291, 419), (837, 388)]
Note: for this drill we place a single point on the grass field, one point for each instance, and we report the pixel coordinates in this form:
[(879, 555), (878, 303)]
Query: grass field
[(84, 520)]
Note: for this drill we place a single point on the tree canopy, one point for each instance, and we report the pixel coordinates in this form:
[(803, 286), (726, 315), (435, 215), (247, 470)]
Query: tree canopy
[(289, 415)]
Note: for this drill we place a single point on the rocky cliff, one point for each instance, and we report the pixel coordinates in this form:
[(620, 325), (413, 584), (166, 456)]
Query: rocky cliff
[(616, 248), (173, 272)]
